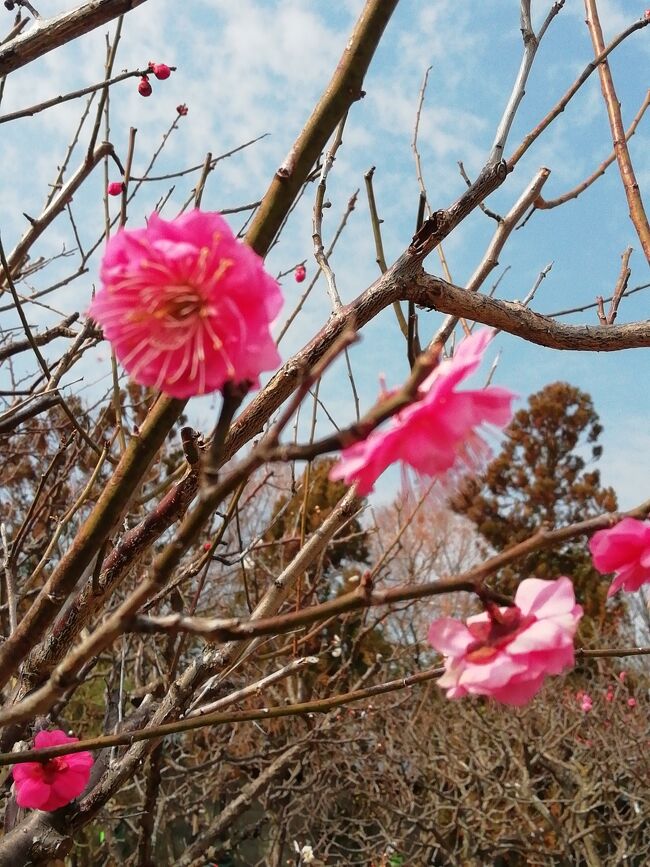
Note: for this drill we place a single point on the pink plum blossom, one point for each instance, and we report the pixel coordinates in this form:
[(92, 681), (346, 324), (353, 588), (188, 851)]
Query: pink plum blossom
[(631, 702), (622, 675), (437, 431), (507, 652), (115, 188), (609, 695), (625, 550), (186, 306), (587, 703), (52, 784)]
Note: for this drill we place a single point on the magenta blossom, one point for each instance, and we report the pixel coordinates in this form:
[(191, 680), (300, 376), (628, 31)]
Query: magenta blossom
[(186, 306), (625, 550), (437, 431), (54, 783), (507, 652)]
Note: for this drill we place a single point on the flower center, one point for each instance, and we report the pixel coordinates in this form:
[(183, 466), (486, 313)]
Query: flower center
[(52, 768), (182, 307), (496, 633)]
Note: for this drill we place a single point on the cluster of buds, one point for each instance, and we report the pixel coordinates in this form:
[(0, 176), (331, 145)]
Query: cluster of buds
[(160, 70)]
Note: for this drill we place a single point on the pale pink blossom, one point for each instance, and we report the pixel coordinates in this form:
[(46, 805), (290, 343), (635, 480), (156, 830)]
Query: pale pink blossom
[(625, 550), (186, 306), (622, 675), (609, 695), (507, 652), (631, 702), (437, 431), (52, 784), (587, 703)]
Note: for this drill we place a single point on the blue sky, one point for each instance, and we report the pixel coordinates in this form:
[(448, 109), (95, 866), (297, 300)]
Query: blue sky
[(249, 68)]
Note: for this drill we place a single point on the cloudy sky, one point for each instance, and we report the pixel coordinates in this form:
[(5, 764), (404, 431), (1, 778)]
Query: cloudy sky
[(252, 67)]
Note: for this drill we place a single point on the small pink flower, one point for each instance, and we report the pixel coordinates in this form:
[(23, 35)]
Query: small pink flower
[(52, 784), (631, 702), (160, 70), (186, 306), (300, 273), (587, 703), (182, 109), (115, 188), (144, 87), (625, 550), (506, 652), (609, 695), (437, 431), (622, 675)]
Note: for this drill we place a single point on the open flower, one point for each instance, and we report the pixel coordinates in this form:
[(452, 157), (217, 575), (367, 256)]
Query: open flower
[(438, 430), (54, 783), (507, 652), (625, 550), (186, 306)]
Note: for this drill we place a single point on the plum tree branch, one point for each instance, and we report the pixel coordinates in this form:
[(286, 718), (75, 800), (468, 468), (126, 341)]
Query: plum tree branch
[(50, 33)]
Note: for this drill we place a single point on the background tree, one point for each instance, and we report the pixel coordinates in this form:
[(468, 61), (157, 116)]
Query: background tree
[(543, 477)]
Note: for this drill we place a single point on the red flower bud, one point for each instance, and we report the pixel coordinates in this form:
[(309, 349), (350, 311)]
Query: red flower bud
[(207, 546), (144, 88), (115, 188), (300, 273), (182, 109), (160, 70)]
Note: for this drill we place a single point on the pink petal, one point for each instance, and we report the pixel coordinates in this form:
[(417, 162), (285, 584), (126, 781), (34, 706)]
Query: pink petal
[(491, 675), (518, 692), (54, 738), (32, 794), (449, 636), (545, 598), (542, 635), (612, 548)]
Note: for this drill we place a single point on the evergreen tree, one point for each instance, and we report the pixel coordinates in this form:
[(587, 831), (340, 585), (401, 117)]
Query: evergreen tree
[(542, 478)]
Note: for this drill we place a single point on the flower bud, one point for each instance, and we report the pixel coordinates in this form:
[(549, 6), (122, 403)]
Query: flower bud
[(160, 70), (182, 109), (115, 188), (144, 88), (300, 273)]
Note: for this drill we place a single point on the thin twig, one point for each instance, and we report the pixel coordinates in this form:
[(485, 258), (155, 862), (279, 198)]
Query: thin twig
[(630, 184)]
